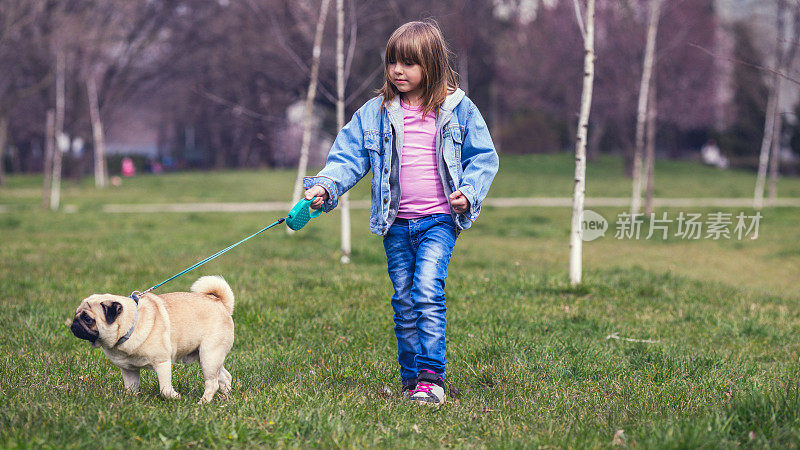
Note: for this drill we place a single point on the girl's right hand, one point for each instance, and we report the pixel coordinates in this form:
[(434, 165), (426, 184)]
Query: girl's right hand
[(318, 194)]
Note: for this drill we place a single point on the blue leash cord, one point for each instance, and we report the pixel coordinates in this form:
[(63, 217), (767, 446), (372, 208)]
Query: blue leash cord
[(136, 294)]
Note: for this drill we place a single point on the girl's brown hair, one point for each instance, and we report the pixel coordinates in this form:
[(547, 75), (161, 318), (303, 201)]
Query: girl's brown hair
[(421, 43)]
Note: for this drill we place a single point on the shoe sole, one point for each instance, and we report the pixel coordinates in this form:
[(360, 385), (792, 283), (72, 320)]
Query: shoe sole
[(423, 402)]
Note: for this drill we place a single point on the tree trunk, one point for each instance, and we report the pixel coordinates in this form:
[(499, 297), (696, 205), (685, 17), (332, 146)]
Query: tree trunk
[(772, 110), (463, 71), (494, 112), (312, 92), (576, 234), (49, 150), (245, 149), (641, 116), (766, 142), (789, 54), (55, 186), (775, 146), (650, 151), (345, 200), (100, 170), (14, 158), (3, 143), (215, 129)]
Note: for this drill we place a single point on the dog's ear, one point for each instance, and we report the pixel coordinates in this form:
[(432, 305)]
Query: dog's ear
[(111, 310)]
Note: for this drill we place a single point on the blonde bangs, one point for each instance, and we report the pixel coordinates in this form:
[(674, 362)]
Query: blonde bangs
[(404, 48)]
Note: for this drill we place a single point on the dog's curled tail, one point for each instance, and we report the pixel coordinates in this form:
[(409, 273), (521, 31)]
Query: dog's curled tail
[(215, 286)]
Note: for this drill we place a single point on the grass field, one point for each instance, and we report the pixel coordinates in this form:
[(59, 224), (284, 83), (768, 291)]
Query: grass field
[(314, 358)]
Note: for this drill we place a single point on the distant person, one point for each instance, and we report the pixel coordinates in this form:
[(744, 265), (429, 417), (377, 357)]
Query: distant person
[(153, 166), (128, 168), (422, 201), (711, 155), (168, 163)]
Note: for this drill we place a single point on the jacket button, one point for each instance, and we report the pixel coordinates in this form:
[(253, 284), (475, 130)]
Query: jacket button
[(385, 170), (386, 200), (386, 139)]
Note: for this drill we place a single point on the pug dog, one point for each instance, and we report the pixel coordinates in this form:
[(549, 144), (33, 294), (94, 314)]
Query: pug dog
[(161, 330)]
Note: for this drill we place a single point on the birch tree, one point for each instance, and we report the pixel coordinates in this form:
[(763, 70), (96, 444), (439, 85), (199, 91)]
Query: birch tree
[(312, 92), (49, 150), (58, 128), (576, 244), (3, 143), (650, 152), (99, 139), (772, 110), (789, 53), (111, 39), (345, 200), (641, 113)]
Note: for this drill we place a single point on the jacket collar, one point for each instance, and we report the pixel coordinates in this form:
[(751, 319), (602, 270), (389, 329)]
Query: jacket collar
[(452, 100)]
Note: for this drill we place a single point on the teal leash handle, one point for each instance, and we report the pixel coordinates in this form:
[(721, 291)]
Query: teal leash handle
[(136, 294), (300, 214)]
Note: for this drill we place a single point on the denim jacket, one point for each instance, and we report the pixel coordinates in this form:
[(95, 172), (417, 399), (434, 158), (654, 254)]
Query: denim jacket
[(466, 158)]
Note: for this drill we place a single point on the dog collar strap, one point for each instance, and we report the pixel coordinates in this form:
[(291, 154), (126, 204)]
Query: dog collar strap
[(135, 319)]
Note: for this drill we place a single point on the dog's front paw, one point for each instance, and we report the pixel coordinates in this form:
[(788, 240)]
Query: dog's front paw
[(171, 395)]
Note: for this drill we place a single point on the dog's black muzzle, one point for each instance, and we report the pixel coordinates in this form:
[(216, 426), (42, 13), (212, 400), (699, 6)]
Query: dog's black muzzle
[(82, 331)]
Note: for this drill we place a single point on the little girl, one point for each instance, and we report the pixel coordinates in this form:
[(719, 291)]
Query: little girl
[(432, 162)]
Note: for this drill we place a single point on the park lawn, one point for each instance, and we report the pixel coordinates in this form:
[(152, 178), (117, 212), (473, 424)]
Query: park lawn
[(548, 175), (314, 358)]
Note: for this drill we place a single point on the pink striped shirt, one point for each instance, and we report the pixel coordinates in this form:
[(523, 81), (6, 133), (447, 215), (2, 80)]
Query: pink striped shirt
[(421, 191)]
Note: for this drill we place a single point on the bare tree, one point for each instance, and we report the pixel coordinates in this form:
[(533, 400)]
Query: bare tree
[(100, 172), (772, 109), (650, 151), (3, 143), (55, 182), (340, 81), (641, 116), (312, 91), (19, 78), (115, 37), (576, 243), (49, 150), (789, 53)]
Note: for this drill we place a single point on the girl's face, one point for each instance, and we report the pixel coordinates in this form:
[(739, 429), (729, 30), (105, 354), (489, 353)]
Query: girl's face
[(407, 78)]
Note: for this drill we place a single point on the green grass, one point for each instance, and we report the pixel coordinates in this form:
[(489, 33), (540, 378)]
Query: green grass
[(315, 350), (519, 176)]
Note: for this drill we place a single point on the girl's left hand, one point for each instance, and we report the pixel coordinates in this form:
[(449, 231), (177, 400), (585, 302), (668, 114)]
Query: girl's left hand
[(459, 202)]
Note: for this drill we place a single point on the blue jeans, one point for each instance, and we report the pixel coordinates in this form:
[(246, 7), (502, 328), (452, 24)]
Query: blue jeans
[(417, 254)]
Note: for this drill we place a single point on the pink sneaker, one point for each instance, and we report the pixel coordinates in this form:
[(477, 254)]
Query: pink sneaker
[(429, 390)]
